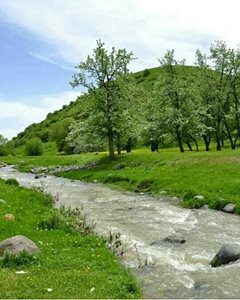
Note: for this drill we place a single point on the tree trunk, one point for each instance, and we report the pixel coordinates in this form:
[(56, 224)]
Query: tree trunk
[(110, 144), (179, 140), (129, 145), (196, 143), (218, 138), (189, 146), (207, 141), (119, 149)]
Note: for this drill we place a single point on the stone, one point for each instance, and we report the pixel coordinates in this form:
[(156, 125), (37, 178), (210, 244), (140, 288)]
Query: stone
[(229, 208), (205, 206), (162, 192), (119, 167), (199, 197), (18, 244), (141, 194), (227, 253), (2, 202), (95, 181), (37, 177), (175, 239), (9, 217)]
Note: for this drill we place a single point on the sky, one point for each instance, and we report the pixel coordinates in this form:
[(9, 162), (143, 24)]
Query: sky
[(42, 41)]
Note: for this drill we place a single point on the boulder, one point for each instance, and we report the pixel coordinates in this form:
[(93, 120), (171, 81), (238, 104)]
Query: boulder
[(199, 197), (229, 208), (175, 239), (18, 244), (227, 253), (9, 217)]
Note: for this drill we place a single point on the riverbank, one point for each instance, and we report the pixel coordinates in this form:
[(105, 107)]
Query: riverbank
[(213, 175), (165, 269), (71, 265)]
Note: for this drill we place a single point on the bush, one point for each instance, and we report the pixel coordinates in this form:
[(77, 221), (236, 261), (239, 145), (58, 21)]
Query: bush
[(146, 73), (21, 259), (34, 147), (115, 178), (144, 186), (12, 181)]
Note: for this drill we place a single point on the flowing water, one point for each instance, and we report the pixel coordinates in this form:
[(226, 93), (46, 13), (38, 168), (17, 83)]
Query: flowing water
[(170, 271)]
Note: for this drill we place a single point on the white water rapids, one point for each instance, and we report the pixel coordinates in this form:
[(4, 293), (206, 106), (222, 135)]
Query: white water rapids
[(181, 271)]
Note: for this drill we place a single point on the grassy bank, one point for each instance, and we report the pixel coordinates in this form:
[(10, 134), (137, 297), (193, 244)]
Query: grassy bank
[(70, 265), (215, 175)]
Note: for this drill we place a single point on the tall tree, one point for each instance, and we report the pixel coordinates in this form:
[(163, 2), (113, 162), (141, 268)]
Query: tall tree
[(174, 110), (106, 77)]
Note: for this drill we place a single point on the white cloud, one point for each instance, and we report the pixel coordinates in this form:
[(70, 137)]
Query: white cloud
[(148, 27), (17, 115)]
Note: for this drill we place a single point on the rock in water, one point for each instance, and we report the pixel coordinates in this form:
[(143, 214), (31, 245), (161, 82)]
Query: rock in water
[(176, 239), (229, 208), (228, 252), (18, 244)]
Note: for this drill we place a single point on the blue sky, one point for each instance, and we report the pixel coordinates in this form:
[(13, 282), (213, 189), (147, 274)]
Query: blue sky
[(41, 41)]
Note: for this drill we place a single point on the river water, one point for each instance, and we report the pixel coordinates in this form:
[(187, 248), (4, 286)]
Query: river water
[(167, 271)]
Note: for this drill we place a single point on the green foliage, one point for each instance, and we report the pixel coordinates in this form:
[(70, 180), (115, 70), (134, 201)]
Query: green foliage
[(34, 147), (111, 88), (12, 181), (115, 178), (144, 185), (22, 259), (59, 133), (69, 220), (146, 73)]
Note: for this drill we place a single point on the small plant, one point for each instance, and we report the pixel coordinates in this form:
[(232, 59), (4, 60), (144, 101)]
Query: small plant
[(53, 222), (34, 147), (69, 220), (20, 259), (12, 181), (114, 178), (144, 185)]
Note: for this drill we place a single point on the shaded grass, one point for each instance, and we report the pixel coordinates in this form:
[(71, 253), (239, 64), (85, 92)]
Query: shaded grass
[(70, 264)]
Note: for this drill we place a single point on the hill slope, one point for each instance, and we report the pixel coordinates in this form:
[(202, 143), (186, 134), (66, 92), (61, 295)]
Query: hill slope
[(68, 113)]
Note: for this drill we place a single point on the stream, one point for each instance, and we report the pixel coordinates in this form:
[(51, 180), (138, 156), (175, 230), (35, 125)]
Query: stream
[(167, 270)]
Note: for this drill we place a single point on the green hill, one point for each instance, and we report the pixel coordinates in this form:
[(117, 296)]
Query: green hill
[(70, 112)]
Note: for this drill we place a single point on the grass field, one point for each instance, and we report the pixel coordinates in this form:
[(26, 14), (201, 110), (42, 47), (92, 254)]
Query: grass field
[(215, 175), (70, 265)]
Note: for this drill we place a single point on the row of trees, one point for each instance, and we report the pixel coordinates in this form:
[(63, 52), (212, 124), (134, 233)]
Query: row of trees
[(185, 104)]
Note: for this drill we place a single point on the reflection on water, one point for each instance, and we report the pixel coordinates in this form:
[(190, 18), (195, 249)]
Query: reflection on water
[(181, 271)]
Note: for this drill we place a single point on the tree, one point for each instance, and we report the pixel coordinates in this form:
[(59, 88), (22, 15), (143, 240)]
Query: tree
[(175, 105), (106, 77), (205, 83)]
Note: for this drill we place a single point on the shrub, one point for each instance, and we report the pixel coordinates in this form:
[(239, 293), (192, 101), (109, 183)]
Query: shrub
[(34, 147), (115, 178), (3, 150), (146, 73), (144, 186), (20, 259), (68, 220), (12, 181)]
